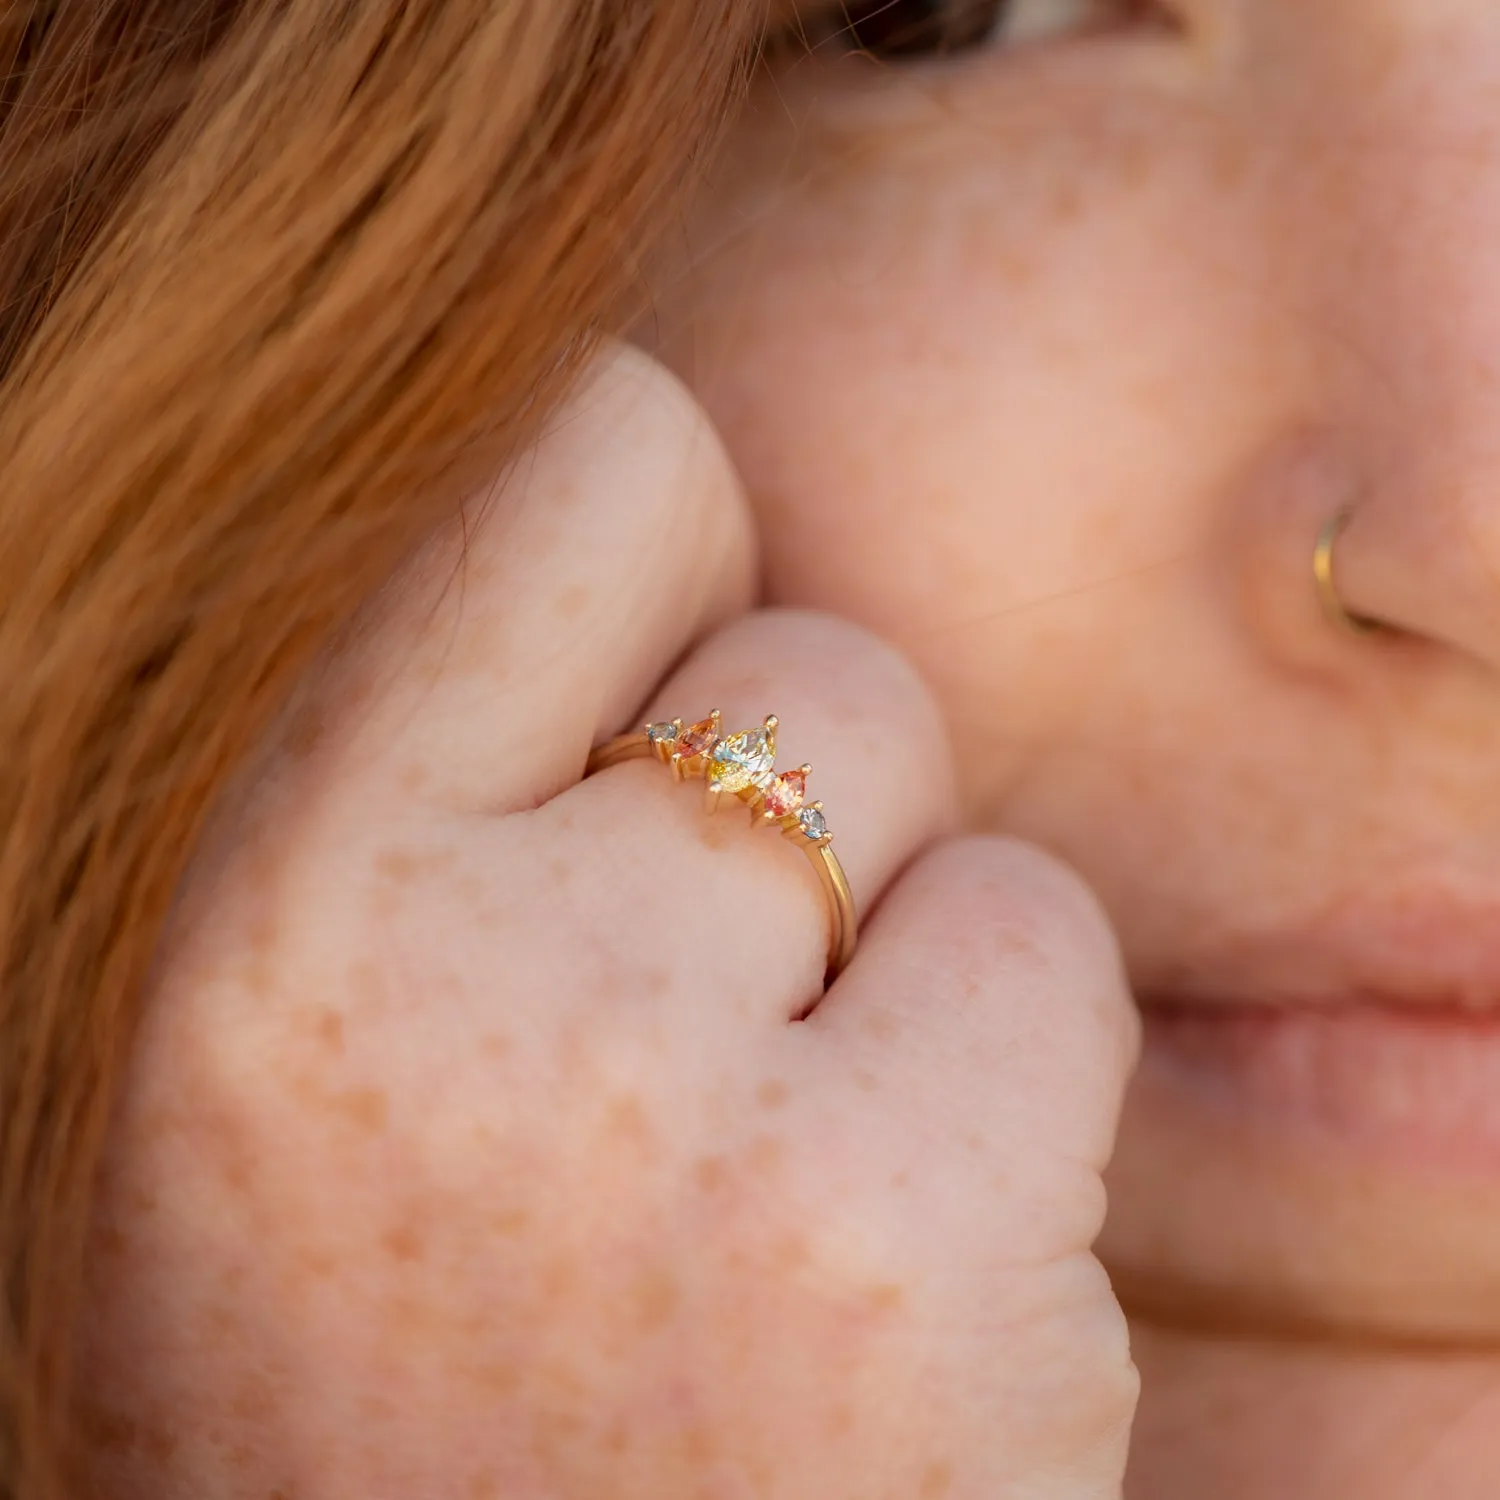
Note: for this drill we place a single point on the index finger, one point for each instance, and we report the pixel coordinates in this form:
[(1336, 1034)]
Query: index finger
[(513, 645)]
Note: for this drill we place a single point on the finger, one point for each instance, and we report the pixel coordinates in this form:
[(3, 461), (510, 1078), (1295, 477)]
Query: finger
[(987, 1005), (554, 606), (719, 898)]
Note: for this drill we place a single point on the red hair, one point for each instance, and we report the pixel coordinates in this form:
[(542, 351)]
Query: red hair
[(279, 279)]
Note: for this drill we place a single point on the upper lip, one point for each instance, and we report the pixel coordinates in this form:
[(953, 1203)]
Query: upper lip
[(1428, 949)]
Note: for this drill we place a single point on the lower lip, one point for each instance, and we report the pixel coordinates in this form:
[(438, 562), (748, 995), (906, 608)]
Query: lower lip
[(1419, 1088)]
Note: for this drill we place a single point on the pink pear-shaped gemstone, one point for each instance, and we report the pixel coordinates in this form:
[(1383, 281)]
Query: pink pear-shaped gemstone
[(785, 794), (697, 740)]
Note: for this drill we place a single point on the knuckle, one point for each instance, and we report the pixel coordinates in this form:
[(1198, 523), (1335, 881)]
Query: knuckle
[(1002, 883), (855, 669), (1034, 913), (1083, 1372), (638, 438)]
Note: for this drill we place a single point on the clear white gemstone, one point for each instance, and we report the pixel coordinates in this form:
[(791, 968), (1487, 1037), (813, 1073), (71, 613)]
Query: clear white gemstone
[(740, 760)]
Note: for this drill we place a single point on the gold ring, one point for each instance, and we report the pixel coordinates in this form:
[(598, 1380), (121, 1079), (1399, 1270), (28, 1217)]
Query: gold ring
[(742, 766), (1328, 593)]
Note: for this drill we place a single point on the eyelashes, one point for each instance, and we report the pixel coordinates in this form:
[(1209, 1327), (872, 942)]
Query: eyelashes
[(913, 29), (920, 28)]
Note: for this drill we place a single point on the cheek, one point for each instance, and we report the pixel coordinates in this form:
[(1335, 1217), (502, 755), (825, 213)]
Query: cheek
[(978, 409)]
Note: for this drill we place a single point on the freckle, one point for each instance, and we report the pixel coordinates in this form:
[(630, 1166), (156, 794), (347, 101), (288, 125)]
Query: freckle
[(262, 926), (887, 1297), (655, 1296), (628, 1124), (973, 1143), (698, 1446), (109, 1240), (709, 1173), (840, 1420), (497, 1379), (367, 981), (330, 1028), (617, 1439), (397, 865), (305, 1089), (320, 1264), (413, 777), (558, 1280), (901, 1180), (865, 1081), (572, 602), (160, 1446), (110, 1430), (254, 1402), (385, 903), (792, 1253), (882, 1025), (936, 1482), (510, 1222), (1066, 201), (715, 835), (772, 1094), (1012, 942), (376, 1408), (765, 1154), (483, 1485), (303, 735), (402, 1243), (366, 1108), (255, 973)]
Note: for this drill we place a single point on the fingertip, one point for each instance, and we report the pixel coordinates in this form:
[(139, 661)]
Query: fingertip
[(1015, 894), (539, 621)]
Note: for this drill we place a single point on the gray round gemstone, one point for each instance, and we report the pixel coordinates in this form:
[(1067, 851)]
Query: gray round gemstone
[(814, 824), (662, 734)]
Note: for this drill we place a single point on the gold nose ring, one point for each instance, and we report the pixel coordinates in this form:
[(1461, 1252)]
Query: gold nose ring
[(1328, 594)]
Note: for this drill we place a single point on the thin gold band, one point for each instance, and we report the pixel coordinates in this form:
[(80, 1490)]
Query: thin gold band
[(1328, 594), (742, 766)]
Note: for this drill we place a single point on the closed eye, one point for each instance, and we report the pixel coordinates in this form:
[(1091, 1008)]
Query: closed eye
[(897, 29)]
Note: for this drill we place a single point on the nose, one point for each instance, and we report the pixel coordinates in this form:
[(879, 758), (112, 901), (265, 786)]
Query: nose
[(1388, 132)]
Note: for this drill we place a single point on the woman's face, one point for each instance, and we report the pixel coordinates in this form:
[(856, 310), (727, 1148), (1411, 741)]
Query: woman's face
[(1049, 359)]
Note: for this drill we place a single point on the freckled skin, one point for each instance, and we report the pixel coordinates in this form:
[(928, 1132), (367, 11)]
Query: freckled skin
[(1048, 365), (469, 1147)]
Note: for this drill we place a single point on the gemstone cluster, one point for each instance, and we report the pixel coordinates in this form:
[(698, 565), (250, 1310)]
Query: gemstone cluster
[(743, 765)]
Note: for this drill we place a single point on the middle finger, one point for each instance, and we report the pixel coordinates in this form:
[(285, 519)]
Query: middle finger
[(717, 901)]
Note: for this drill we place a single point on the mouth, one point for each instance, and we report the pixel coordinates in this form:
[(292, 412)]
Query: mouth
[(1313, 1136), (1375, 1028), (1405, 1085)]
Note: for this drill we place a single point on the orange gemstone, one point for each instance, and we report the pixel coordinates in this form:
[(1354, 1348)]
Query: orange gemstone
[(698, 740), (785, 794)]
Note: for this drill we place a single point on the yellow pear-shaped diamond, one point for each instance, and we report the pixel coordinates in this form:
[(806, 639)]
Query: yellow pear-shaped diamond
[(740, 761)]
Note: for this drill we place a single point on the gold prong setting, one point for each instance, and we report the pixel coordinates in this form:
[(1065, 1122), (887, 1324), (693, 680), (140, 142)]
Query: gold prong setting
[(742, 765)]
